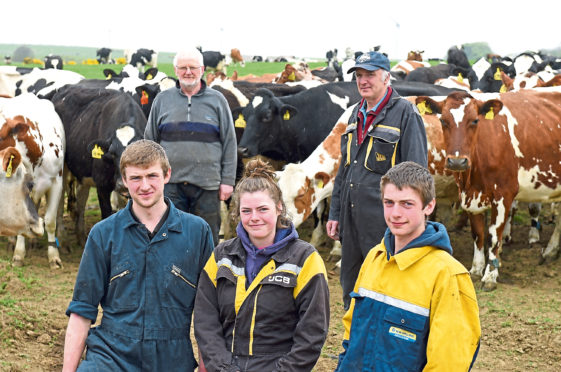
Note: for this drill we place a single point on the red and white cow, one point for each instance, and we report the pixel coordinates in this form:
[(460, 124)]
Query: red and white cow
[(408, 66), (305, 185), (237, 57), (495, 146), (32, 145)]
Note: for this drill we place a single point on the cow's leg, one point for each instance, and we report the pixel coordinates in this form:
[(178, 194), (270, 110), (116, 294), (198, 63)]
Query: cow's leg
[(507, 232), (19, 251), (104, 197), (534, 235), (335, 253), (54, 195), (552, 250), (82, 194), (477, 223), (319, 230), (499, 216), (225, 228)]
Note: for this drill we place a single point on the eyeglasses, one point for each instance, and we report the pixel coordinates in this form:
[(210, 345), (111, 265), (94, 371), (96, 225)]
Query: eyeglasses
[(188, 68)]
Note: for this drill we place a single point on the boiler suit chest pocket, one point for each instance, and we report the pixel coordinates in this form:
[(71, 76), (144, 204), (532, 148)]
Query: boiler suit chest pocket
[(180, 287), (403, 339), (123, 289), (381, 150)]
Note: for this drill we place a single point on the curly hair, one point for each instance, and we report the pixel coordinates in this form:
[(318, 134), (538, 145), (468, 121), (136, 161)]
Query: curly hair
[(260, 176)]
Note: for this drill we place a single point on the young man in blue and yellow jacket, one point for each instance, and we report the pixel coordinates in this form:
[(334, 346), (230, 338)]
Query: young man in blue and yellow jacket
[(413, 307)]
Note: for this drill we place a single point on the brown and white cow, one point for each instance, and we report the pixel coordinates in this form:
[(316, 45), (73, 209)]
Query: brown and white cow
[(237, 57), (495, 146), (32, 145), (408, 66), (305, 185)]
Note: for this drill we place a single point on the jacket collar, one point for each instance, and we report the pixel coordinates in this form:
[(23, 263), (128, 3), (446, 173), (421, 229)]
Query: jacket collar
[(351, 127), (173, 222), (405, 258), (235, 248)]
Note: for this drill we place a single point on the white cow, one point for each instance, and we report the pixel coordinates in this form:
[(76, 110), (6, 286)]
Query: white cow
[(32, 145)]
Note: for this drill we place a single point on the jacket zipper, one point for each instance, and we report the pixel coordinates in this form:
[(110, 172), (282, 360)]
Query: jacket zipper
[(175, 271), (119, 275)]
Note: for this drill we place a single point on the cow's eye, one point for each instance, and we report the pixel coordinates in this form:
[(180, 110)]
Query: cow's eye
[(443, 123), (475, 121)]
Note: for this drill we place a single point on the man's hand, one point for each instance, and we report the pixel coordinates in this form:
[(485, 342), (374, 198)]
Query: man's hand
[(225, 191), (332, 228)]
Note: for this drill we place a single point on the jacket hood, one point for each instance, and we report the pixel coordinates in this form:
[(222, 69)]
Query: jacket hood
[(435, 235)]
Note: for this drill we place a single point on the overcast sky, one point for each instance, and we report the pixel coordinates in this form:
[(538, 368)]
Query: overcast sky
[(302, 28)]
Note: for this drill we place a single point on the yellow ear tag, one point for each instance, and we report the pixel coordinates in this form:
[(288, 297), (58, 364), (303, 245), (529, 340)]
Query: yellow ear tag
[(97, 152), (497, 75), (240, 122), (286, 115), (320, 184), (460, 77), (109, 77), (423, 108), (490, 115), (291, 77), (503, 89), (9, 168), (149, 77)]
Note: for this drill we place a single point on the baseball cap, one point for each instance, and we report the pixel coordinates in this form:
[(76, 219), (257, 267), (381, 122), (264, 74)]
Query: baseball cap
[(371, 61)]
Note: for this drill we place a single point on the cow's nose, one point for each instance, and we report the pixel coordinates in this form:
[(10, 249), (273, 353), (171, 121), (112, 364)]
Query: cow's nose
[(243, 151), (458, 164)]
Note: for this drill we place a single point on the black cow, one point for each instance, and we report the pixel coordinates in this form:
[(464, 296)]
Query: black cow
[(104, 56), (290, 128), (458, 57), (99, 123), (330, 73), (143, 57), (441, 71), (417, 88), (257, 59), (52, 61)]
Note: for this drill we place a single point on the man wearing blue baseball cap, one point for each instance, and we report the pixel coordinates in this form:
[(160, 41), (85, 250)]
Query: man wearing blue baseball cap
[(384, 130)]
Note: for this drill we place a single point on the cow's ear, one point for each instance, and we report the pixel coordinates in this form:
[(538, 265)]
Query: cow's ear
[(97, 149), (11, 159), (150, 73), (427, 105), (321, 179), (490, 109), (109, 73), (287, 112), (239, 119)]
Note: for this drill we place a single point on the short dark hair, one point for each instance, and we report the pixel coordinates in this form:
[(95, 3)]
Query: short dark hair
[(143, 153), (413, 175)]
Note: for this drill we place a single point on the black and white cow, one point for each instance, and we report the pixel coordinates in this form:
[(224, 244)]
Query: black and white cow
[(104, 56), (214, 61), (17, 80), (290, 128), (99, 124), (143, 57), (52, 61)]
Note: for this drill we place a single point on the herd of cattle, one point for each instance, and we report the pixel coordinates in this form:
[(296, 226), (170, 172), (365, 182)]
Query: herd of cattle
[(487, 126)]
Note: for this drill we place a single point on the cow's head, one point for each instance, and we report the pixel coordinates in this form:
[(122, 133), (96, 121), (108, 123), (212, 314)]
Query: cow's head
[(106, 155), (19, 214), (145, 95), (491, 80), (460, 116), (264, 119)]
